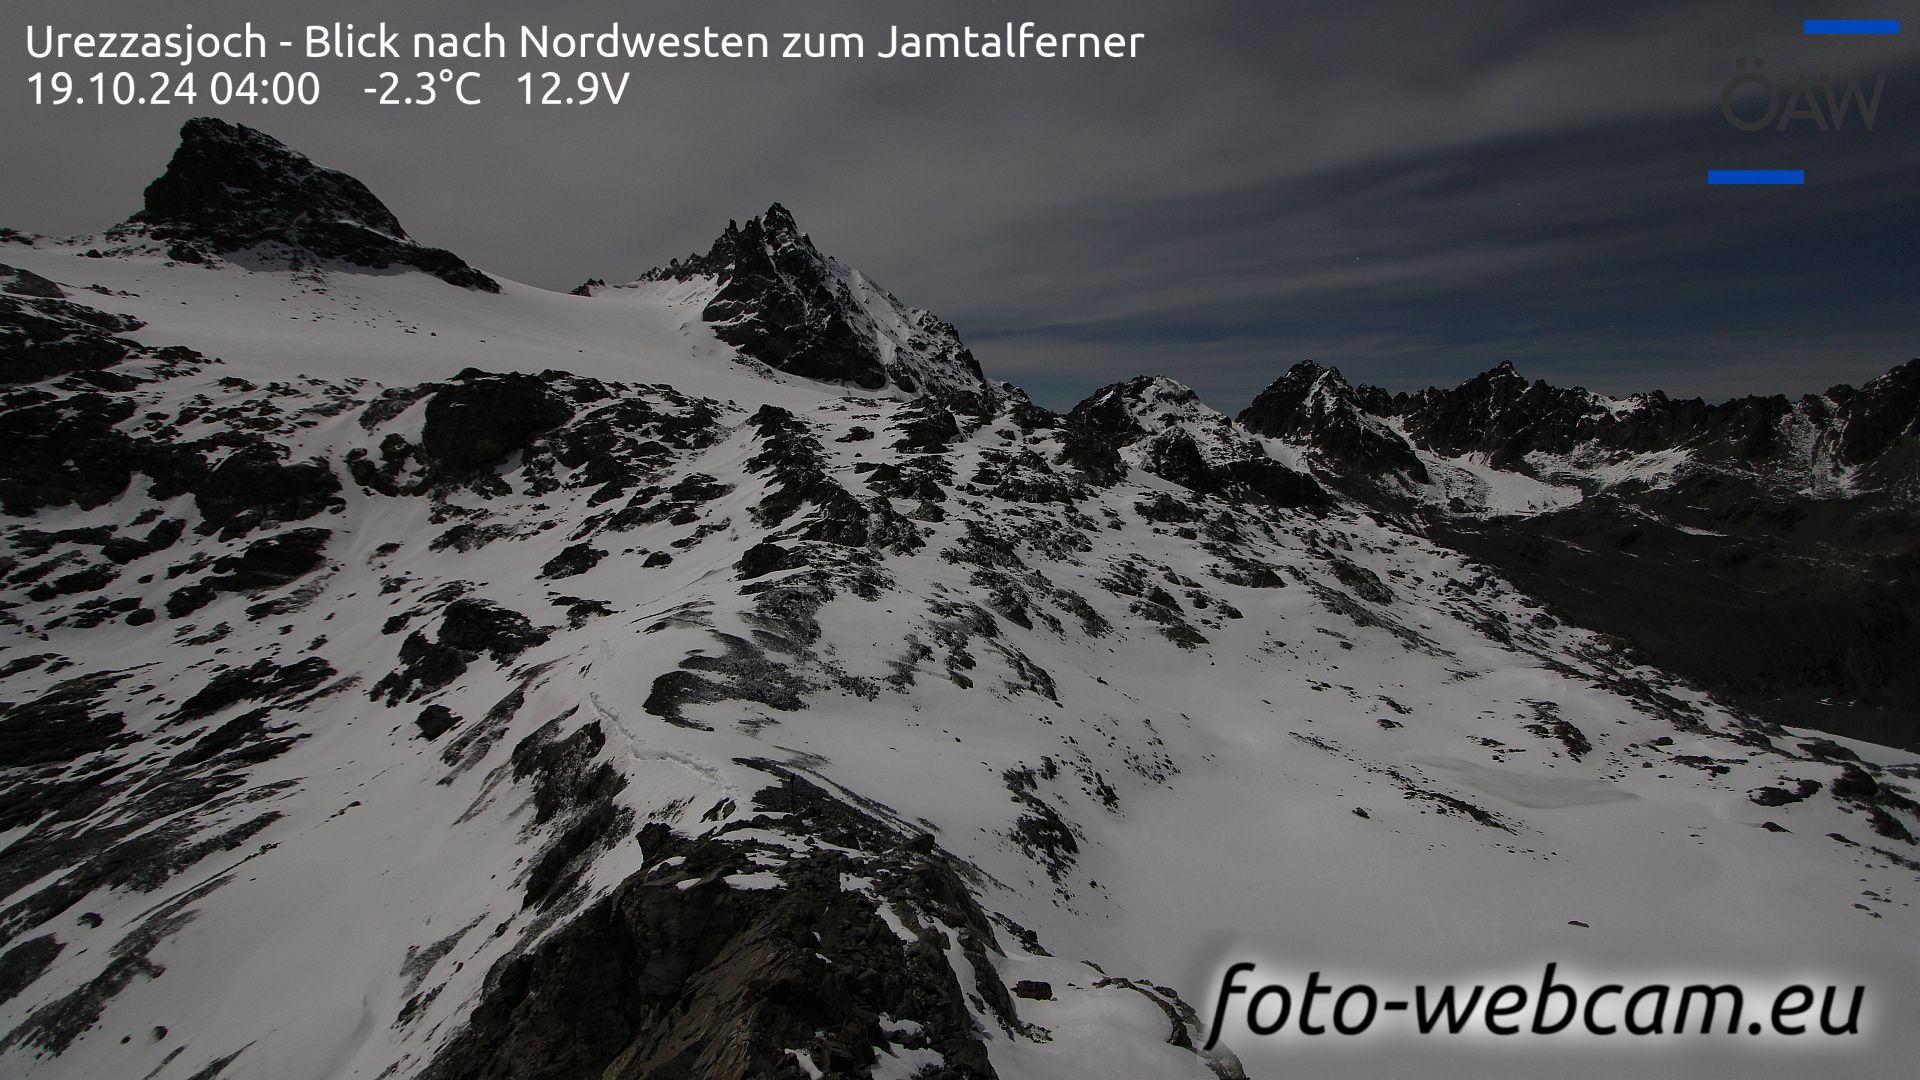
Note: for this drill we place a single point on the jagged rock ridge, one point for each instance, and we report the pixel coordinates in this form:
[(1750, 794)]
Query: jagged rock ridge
[(782, 302)]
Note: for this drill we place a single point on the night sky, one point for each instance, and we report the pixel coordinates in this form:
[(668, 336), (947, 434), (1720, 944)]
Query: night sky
[(1412, 192)]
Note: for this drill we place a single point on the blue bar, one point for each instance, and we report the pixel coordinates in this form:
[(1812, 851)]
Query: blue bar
[(1756, 176), (1850, 26)]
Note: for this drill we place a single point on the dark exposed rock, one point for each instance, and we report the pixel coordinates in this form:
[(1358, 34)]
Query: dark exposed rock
[(1238, 469), (263, 680), (1095, 456), (573, 560), (573, 794), (435, 721), (125, 549), (1551, 725), (783, 303), (1773, 624), (245, 739), (469, 628), (188, 599), (1267, 481), (1779, 796), (271, 561), (926, 427), (253, 484), (1173, 455), (63, 451), (665, 979), (1880, 426), (742, 673), (473, 424), (1040, 831), (1363, 582), (476, 626), (1314, 405), (231, 188), (90, 579), (796, 468), (17, 282), (765, 558), (425, 665), (65, 723), (1504, 416), (53, 1027), (1880, 800), (25, 962), (43, 335)]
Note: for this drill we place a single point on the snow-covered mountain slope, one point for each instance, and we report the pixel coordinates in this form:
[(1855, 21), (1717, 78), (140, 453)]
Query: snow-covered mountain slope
[(403, 679)]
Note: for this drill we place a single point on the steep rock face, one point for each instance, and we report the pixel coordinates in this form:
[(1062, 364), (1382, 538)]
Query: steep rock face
[(1314, 406), (782, 302), (1880, 426), (230, 188)]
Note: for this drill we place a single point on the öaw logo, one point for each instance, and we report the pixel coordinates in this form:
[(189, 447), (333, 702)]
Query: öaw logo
[(1752, 102)]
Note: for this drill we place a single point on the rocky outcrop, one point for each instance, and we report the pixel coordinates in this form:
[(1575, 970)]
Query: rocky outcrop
[(708, 964), (43, 334), (473, 424), (230, 188)]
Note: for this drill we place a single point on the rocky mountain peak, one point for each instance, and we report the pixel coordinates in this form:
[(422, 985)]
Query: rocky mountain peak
[(1140, 406), (778, 223), (223, 171), (741, 249), (782, 302), (1315, 406), (231, 188)]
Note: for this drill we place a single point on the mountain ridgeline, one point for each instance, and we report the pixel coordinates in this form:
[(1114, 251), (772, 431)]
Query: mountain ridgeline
[(413, 673), (1763, 546)]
